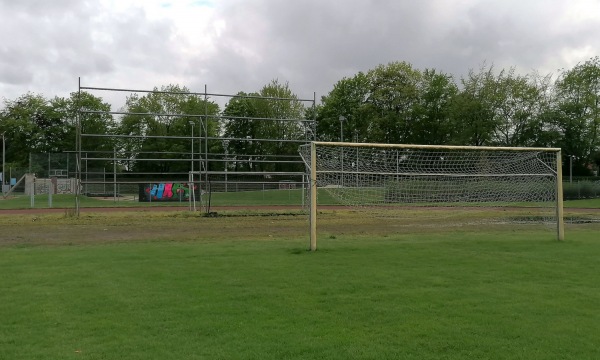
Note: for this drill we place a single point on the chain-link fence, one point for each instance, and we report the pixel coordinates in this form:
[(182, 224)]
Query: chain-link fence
[(60, 165), (42, 166)]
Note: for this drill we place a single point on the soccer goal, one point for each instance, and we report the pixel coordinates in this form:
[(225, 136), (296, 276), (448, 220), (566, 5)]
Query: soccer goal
[(429, 176)]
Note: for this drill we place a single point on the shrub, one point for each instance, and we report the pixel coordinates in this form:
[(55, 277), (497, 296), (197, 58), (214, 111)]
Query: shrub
[(581, 190)]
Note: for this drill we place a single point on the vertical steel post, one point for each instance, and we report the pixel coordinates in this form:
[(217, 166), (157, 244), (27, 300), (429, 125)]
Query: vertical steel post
[(115, 175), (50, 192), (192, 192), (342, 119), (570, 169), (226, 148), (192, 137), (205, 158), (78, 152)]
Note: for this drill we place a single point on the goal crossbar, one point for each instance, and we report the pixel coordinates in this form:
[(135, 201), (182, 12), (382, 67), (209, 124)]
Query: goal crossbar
[(434, 147), (435, 174)]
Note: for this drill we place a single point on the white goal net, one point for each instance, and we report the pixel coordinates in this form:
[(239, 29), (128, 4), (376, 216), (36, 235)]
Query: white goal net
[(385, 175)]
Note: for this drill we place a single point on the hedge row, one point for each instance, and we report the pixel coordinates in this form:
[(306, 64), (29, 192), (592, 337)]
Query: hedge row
[(581, 190)]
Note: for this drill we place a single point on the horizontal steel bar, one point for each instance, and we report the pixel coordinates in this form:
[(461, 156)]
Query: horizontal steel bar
[(280, 173), (196, 160), (429, 174), (135, 173), (141, 114), (191, 93), (94, 182), (262, 118), (212, 138), (140, 159), (222, 157), (216, 116), (435, 147)]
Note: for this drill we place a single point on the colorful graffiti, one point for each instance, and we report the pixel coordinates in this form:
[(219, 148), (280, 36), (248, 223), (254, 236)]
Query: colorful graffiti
[(165, 192)]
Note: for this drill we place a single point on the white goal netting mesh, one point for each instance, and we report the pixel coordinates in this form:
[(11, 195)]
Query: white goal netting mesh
[(379, 175)]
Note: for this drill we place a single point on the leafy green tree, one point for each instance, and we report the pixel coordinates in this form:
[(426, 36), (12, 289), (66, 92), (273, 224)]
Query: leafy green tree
[(290, 127), (540, 130), (517, 102), (577, 112), (240, 128), (473, 108), (96, 121), (432, 123), (255, 122), (167, 112), (29, 127), (391, 102), (347, 99), (35, 125)]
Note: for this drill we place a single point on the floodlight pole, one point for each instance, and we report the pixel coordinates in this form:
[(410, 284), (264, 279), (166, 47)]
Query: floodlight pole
[(342, 119), (571, 168), (192, 197), (226, 148), (192, 124), (115, 174)]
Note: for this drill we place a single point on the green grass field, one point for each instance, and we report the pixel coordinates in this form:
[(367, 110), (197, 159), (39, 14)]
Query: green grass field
[(180, 286)]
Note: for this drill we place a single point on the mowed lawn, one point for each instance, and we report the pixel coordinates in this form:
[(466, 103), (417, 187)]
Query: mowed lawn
[(254, 292)]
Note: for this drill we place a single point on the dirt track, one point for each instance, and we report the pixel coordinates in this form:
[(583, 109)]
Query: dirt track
[(143, 209), (241, 208), (24, 227)]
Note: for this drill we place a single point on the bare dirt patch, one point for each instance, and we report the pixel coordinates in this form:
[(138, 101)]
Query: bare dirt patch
[(110, 225)]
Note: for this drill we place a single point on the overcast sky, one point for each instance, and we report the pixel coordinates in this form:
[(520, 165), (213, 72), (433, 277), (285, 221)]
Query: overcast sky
[(241, 45)]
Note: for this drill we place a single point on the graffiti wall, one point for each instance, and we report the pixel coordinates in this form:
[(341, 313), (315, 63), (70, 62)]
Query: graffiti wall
[(175, 191)]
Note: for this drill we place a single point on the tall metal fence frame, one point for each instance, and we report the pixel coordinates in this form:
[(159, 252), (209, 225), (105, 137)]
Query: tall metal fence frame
[(202, 157)]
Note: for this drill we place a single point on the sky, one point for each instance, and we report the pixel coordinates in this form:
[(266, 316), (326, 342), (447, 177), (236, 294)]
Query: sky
[(242, 45)]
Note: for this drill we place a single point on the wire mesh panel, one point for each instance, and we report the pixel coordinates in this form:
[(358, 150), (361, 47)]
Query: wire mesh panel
[(47, 165)]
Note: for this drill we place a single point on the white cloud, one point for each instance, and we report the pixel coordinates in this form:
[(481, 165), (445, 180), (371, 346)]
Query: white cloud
[(238, 45)]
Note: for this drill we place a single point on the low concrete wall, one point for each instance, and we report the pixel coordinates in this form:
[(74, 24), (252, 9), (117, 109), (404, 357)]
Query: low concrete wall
[(43, 186)]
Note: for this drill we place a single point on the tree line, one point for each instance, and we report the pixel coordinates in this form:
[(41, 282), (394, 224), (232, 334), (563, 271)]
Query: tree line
[(392, 103)]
